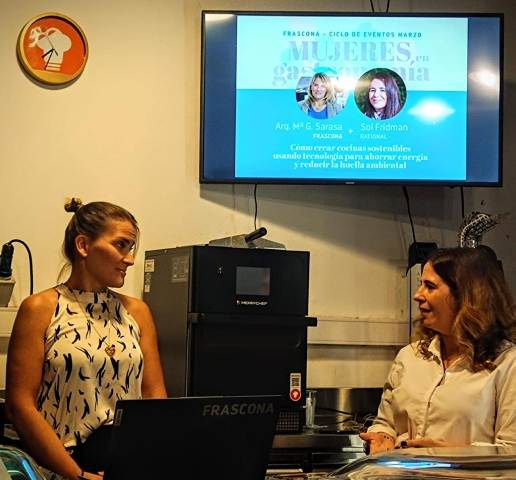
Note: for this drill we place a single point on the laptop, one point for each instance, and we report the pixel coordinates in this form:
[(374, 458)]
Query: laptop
[(193, 438)]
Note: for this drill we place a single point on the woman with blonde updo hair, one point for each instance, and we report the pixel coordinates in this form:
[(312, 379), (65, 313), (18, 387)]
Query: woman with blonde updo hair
[(78, 347), (456, 384)]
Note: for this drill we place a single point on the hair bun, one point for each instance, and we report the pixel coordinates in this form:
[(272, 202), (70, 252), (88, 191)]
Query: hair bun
[(72, 204)]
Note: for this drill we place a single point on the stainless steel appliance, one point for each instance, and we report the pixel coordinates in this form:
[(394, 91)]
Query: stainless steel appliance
[(345, 409)]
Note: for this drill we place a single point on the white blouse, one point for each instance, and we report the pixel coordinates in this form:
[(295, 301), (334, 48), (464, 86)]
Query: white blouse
[(81, 382), (422, 400)]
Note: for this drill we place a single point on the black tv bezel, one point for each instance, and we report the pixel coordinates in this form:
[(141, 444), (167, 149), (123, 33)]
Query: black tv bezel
[(317, 181)]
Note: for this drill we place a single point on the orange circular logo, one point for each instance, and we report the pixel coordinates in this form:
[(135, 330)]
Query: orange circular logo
[(53, 48)]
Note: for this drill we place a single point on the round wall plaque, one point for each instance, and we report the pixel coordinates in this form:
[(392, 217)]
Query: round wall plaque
[(52, 48)]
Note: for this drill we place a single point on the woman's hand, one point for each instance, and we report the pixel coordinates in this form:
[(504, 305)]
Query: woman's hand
[(378, 441)]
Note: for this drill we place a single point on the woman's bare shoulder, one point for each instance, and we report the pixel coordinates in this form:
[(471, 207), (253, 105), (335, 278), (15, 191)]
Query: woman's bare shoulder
[(38, 306), (42, 299), (132, 304)]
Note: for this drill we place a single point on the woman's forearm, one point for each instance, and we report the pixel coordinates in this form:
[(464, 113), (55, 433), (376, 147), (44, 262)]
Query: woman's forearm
[(42, 443)]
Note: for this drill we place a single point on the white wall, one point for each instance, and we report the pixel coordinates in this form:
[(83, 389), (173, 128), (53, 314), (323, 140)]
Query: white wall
[(127, 131)]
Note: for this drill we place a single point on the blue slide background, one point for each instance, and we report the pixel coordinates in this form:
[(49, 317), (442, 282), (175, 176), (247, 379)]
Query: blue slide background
[(267, 121)]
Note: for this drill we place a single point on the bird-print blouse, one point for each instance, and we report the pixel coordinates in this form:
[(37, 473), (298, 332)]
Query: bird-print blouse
[(81, 382)]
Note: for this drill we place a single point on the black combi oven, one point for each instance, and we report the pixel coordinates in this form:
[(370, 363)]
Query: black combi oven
[(232, 321)]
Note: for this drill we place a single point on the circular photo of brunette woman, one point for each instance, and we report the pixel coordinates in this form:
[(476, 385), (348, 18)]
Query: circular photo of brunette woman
[(320, 96), (380, 93)]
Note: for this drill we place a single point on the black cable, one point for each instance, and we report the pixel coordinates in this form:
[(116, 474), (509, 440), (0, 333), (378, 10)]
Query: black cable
[(255, 205), (405, 192), (462, 201), (386, 8), (31, 270), (335, 410)]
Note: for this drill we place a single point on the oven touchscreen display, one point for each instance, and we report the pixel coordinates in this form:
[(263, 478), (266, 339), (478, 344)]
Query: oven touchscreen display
[(253, 281)]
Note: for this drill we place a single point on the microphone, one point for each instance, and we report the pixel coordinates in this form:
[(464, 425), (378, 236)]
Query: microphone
[(255, 235), (6, 259)]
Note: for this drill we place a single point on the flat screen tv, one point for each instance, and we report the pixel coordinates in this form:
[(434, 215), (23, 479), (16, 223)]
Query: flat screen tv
[(351, 98)]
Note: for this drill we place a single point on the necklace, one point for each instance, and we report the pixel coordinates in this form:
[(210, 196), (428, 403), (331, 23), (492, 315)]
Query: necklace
[(110, 347)]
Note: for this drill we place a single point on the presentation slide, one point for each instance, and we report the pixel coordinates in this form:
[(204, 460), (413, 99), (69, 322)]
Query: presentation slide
[(351, 98)]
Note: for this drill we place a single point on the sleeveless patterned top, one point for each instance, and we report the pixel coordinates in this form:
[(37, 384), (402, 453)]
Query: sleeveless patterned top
[(80, 382)]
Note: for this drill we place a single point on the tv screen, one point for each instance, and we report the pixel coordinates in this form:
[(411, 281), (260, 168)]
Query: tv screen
[(351, 98)]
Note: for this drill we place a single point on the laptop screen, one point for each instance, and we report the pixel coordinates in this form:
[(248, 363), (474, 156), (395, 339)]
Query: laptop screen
[(196, 437)]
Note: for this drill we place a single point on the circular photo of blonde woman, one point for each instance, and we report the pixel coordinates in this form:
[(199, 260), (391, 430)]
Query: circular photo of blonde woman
[(380, 93), (320, 96)]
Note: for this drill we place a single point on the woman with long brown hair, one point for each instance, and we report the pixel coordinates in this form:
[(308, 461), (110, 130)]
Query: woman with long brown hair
[(456, 384), (383, 97)]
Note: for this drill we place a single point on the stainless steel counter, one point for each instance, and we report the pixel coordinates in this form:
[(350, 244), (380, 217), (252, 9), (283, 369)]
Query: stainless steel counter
[(322, 441), (312, 451), (333, 442)]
